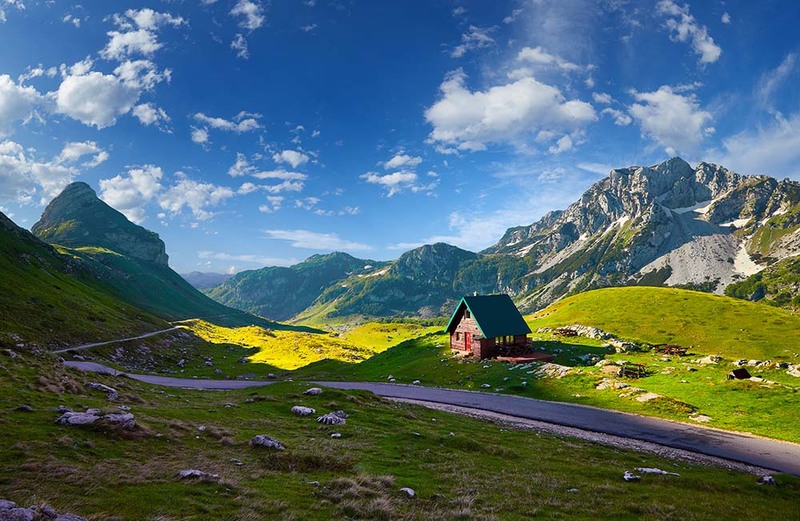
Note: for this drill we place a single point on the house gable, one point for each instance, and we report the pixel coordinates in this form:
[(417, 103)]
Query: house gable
[(495, 315)]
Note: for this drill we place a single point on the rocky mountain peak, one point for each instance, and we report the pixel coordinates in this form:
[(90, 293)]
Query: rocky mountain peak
[(78, 218)]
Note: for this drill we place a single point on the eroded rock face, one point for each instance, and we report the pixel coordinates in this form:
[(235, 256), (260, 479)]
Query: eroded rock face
[(333, 418), (197, 474)]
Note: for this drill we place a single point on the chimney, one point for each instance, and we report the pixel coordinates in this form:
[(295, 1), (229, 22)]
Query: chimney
[(474, 293)]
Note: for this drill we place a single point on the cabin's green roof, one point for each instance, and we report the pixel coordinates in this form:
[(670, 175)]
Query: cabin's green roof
[(496, 315)]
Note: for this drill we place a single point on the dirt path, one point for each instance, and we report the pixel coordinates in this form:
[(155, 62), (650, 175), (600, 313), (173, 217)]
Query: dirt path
[(750, 450)]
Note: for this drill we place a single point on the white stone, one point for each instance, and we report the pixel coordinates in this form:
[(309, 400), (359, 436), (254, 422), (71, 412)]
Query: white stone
[(303, 411), (409, 491), (313, 391), (266, 441)]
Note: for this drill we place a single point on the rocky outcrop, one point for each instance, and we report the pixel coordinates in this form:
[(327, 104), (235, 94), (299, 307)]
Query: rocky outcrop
[(125, 420), (78, 218)]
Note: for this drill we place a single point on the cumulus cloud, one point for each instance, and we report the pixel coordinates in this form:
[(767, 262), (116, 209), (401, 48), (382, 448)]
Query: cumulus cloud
[(129, 193), (562, 145), (538, 56), (137, 34), (17, 103), (284, 175), (673, 120), (241, 167), (239, 44), (148, 114), (95, 98), (315, 241), (26, 178), (507, 113), (402, 161), (5, 4), (141, 74), (684, 28), (726, 18), (250, 13), (291, 157), (396, 182), (602, 98), (194, 195), (620, 118), (474, 38), (242, 122), (274, 203)]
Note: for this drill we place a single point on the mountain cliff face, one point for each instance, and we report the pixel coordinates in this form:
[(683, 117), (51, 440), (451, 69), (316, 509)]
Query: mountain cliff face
[(78, 218), (672, 224), (126, 260)]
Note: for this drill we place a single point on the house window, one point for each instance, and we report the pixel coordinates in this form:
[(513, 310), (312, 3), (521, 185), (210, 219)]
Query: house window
[(467, 314), (458, 336)]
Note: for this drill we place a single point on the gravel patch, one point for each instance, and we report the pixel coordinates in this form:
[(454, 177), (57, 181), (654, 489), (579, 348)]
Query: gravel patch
[(596, 437)]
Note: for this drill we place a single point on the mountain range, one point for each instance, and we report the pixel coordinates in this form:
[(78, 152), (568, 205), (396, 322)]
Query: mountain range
[(669, 224)]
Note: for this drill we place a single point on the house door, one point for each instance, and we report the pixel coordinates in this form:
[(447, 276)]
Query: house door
[(468, 341)]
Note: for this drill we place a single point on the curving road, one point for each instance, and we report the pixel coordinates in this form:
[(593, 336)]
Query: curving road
[(772, 454), (87, 346)]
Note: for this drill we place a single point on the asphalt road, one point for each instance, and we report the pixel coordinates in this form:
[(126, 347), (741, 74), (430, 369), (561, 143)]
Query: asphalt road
[(772, 454), (87, 346)]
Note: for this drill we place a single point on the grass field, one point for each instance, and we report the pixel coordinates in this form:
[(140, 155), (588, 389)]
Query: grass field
[(458, 467)]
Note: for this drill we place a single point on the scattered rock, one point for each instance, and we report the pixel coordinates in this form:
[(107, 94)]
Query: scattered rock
[(217, 371), (485, 386), (63, 408), (794, 370), (209, 363), (313, 391), (572, 490), (331, 419), (652, 470), (92, 416), (415, 382), (267, 442), (700, 418), (313, 483), (621, 346), (181, 362), (303, 411), (550, 370), (408, 491), (24, 408), (392, 380), (336, 435), (197, 474), (710, 359), (691, 369), (611, 369), (630, 477), (390, 377), (237, 462), (646, 397), (5, 504), (740, 363), (124, 408), (767, 480), (9, 353), (113, 394), (272, 376), (604, 362), (17, 514)]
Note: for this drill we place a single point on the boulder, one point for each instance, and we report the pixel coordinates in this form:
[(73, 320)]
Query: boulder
[(17, 514), (113, 394), (267, 442), (5, 504), (793, 370), (313, 391), (197, 474), (710, 359), (331, 419), (303, 411), (123, 420), (24, 408), (630, 477), (653, 470), (408, 491), (646, 397)]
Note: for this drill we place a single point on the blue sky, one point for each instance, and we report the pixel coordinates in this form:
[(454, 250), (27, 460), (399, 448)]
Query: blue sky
[(251, 133)]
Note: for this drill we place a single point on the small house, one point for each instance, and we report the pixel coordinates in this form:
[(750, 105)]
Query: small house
[(485, 326)]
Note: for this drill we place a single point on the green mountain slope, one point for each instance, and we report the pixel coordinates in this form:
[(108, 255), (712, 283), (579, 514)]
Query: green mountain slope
[(710, 324), (280, 293), (51, 299), (127, 260), (778, 285)]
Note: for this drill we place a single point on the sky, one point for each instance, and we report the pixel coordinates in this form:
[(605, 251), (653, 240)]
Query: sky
[(250, 132)]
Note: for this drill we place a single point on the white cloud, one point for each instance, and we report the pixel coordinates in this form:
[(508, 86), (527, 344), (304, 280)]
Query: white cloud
[(243, 122), (291, 157), (726, 18), (772, 81), (475, 38), (513, 16), (23, 176), (285, 186), (148, 114), (315, 240), (308, 28), (239, 44), (562, 145), (402, 161), (502, 114), (5, 4), (620, 118), (684, 27), (141, 74), (74, 150), (280, 174), (17, 103), (602, 98), (130, 192), (260, 260), (241, 167), (200, 136), (95, 99), (274, 203), (396, 182), (194, 195), (139, 37), (251, 14), (773, 150), (673, 120), (538, 56)]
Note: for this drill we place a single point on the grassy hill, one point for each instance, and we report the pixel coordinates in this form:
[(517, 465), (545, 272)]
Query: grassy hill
[(49, 299), (459, 468), (710, 324)]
